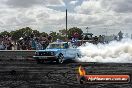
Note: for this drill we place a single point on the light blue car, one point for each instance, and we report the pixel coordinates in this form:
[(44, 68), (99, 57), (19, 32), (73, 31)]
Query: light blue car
[(58, 52)]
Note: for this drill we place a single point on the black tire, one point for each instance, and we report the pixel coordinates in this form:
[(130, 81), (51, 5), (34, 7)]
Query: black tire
[(60, 59)]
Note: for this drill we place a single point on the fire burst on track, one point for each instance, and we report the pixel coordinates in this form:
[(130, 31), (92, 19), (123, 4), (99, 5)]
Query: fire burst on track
[(84, 78)]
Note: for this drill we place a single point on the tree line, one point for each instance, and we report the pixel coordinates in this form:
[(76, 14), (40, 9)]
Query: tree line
[(27, 31)]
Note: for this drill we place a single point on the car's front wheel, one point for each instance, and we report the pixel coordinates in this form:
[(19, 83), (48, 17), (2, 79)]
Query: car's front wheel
[(60, 59)]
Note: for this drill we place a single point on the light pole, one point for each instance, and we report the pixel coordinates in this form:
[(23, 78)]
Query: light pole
[(66, 23), (87, 29)]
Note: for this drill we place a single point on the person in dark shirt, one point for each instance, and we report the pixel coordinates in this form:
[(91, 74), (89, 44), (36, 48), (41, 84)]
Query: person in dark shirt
[(96, 40), (120, 34), (23, 46), (9, 46), (50, 38)]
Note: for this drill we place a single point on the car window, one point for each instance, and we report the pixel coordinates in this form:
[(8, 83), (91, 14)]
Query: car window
[(65, 45), (55, 46)]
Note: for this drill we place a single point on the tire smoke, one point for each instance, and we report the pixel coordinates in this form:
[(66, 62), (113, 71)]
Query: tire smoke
[(115, 51)]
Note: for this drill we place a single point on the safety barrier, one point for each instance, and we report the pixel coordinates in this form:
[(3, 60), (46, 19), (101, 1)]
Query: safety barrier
[(16, 54)]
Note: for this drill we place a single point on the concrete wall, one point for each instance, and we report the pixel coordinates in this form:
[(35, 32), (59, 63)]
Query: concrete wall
[(16, 54)]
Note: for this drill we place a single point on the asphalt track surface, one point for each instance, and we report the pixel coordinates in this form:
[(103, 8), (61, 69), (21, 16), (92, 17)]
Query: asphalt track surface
[(29, 74)]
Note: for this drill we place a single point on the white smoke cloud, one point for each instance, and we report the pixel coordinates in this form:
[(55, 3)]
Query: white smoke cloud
[(117, 52)]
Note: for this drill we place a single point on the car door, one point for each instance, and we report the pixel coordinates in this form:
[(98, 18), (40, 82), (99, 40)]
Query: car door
[(71, 53)]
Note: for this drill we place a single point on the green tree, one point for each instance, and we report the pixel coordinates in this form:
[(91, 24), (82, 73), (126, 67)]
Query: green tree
[(73, 30), (43, 34), (26, 31), (21, 33), (62, 32), (36, 33), (5, 33), (54, 35), (16, 34)]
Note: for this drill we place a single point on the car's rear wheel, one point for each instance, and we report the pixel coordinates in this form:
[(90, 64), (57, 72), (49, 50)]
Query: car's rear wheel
[(60, 59)]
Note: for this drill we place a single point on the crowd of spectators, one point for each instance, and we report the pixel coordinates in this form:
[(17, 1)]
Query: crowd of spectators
[(24, 43), (40, 43)]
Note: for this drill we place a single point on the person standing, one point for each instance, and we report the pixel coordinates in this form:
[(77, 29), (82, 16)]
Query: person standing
[(120, 34)]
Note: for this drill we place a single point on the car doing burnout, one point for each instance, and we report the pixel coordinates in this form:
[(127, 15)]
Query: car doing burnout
[(57, 51)]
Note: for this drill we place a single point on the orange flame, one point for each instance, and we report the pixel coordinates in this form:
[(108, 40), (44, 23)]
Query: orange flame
[(81, 70)]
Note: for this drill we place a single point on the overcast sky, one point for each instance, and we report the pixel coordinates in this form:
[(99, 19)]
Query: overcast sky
[(49, 15)]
